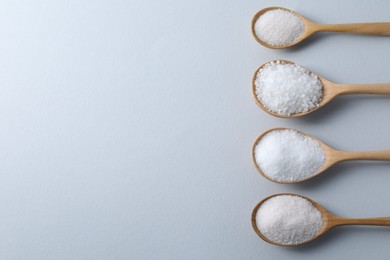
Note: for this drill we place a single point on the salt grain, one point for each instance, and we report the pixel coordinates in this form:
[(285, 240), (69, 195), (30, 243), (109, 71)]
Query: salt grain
[(288, 220), (279, 27), (287, 89), (288, 156)]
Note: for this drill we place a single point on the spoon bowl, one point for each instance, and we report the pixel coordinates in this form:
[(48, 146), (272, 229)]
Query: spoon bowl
[(307, 31), (330, 90), (332, 156), (329, 220), (311, 27)]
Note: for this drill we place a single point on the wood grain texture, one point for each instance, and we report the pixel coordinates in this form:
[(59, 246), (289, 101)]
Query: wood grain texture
[(357, 28)]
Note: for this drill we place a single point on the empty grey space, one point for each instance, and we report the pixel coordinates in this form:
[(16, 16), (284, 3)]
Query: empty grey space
[(126, 129)]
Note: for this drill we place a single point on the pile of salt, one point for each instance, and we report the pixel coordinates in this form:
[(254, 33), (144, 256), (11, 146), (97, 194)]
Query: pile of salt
[(279, 27), (288, 220), (287, 89), (288, 156)]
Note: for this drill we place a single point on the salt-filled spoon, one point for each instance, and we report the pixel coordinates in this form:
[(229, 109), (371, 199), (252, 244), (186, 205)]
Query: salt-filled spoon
[(330, 90), (310, 28), (328, 222), (286, 142)]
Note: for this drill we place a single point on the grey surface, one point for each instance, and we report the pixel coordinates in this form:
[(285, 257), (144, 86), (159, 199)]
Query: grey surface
[(126, 130)]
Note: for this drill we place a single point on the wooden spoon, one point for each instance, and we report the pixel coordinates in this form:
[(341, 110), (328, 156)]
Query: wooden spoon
[(330, 91), (312, 27), (332, 156), (329, 220)]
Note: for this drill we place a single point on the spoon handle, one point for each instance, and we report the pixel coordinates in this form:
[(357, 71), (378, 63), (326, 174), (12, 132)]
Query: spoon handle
[(358, 28), (362, 221), (379, 89), (372, 155)]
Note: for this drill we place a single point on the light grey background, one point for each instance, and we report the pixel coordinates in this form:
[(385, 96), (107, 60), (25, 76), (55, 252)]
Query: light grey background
[(126, 130)]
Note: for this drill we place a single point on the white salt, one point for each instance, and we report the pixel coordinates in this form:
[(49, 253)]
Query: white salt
[(279, 27), (288, 220), (287, 89), (288, 156)]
